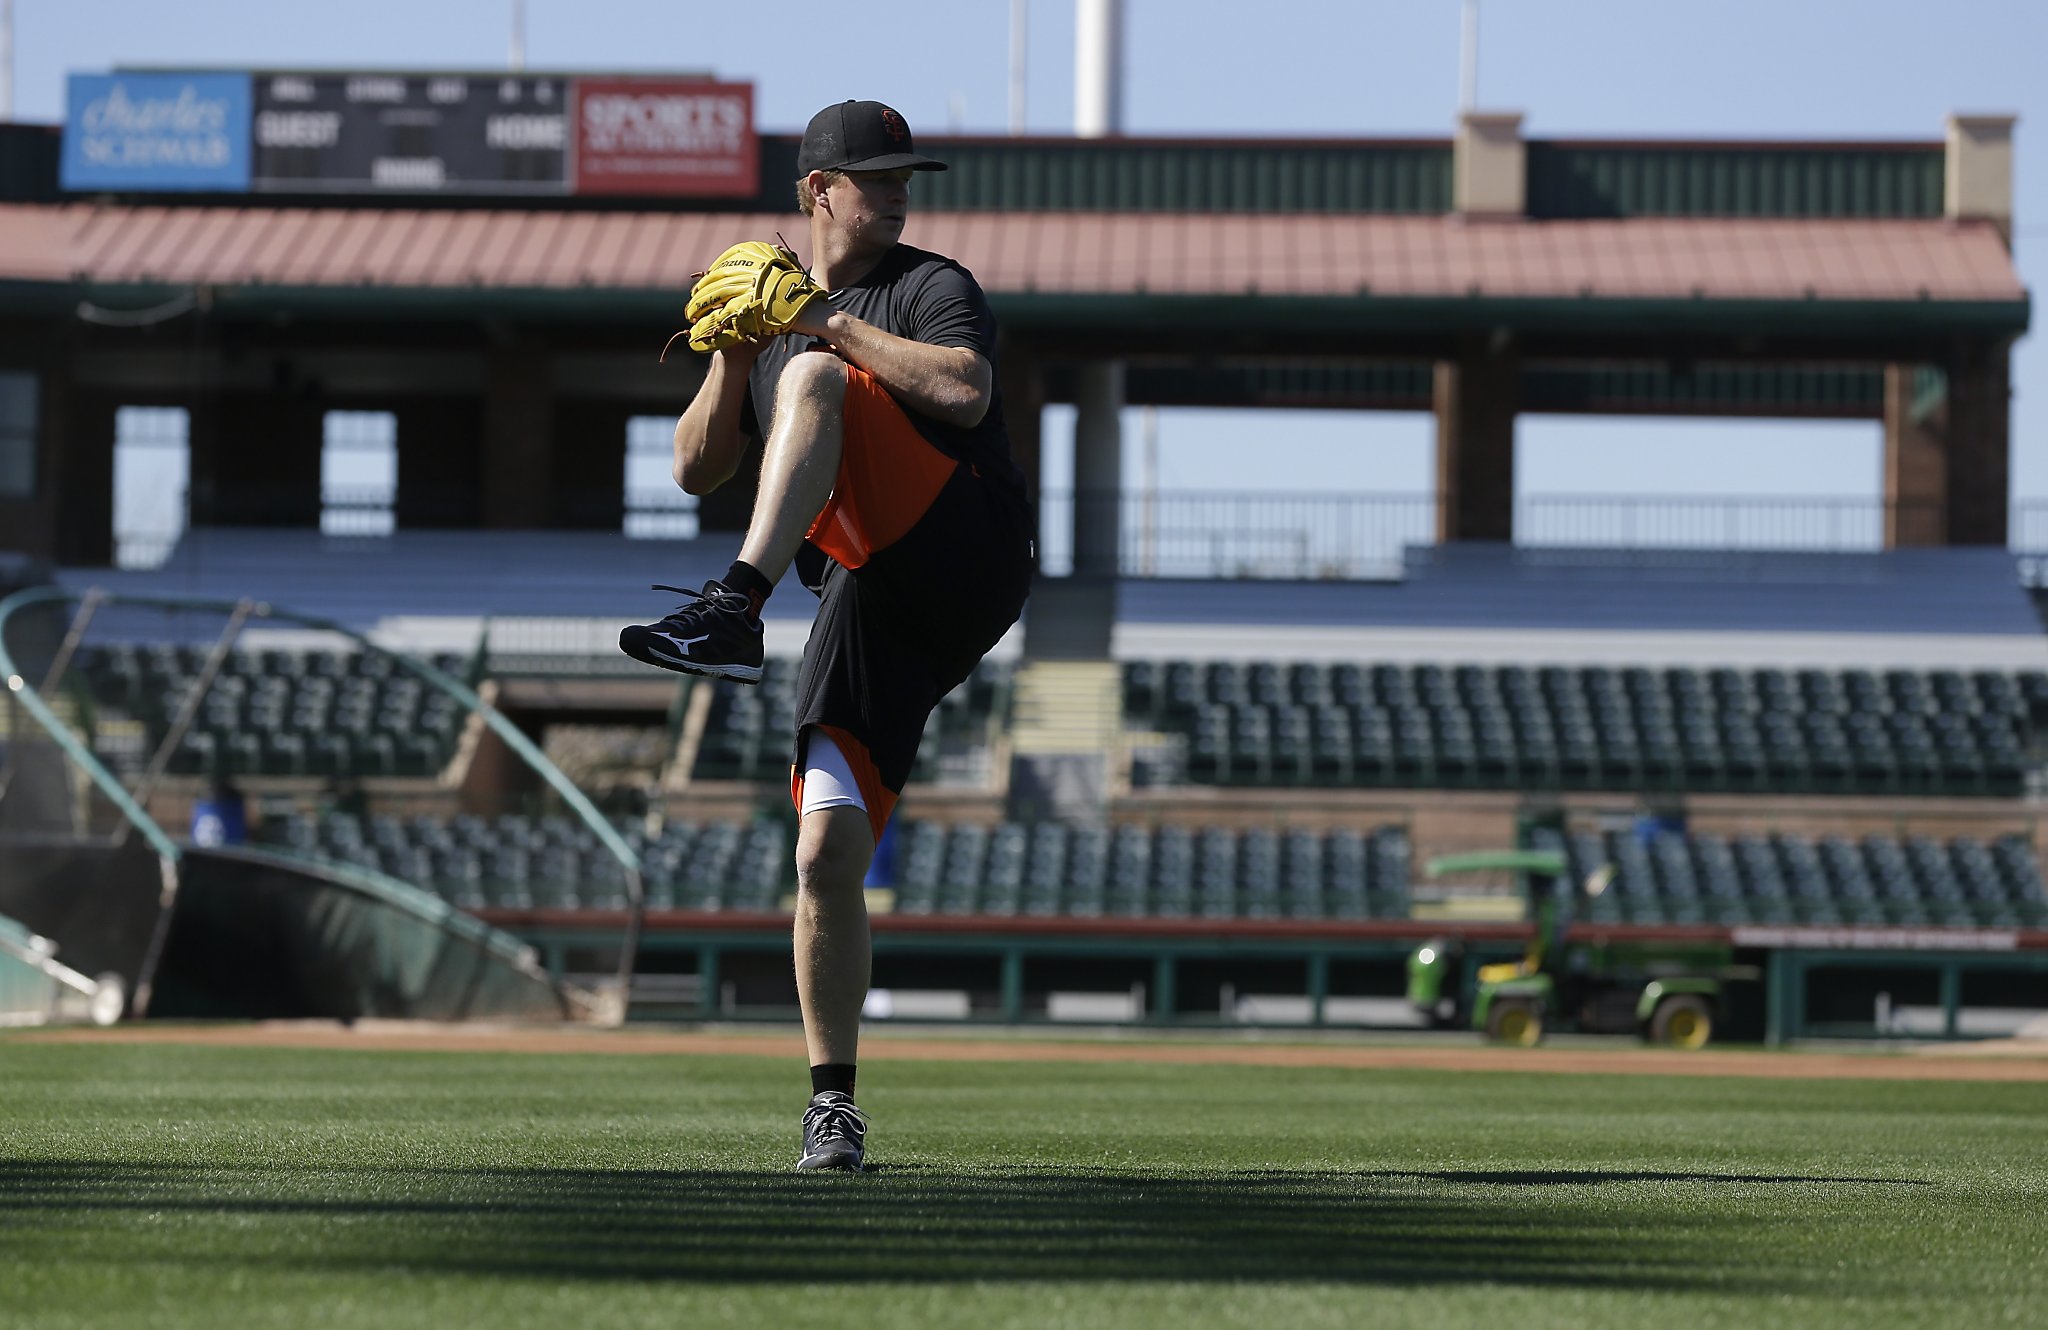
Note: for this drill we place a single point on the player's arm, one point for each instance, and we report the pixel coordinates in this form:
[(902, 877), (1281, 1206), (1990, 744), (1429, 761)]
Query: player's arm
[(709, 440), (949, 383)]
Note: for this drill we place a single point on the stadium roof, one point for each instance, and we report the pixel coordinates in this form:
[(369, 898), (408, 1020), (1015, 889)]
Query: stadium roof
[(1336, 270)]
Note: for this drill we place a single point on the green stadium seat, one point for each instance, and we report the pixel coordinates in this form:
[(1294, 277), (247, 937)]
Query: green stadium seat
[(1216, 869), (1250, 760), (1130, 874), (1141, 689), (1414, 749), (1003, 879), (1372, 747), (1496, 759), (1347, 883), (1329, 746), (1308, 685), (1209, 751), (923, 863), (1456, 749), (1351, 686), (1258, 884), (1088, 868), (1046, 869), (1173, 873), (1293, 753), (1301, 880), (959, 890)]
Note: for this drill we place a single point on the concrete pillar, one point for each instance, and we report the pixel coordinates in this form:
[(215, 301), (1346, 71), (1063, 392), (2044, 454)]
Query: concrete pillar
[(83, 465), (1489, 175), (590, 465), (49, 480), (1475, 445), (1021, 379), (1098, 468), (1947, 449), (1979, 442), (440, 461), (518, 437), (1915, 459), (1022, 382), (256, 458), (1099, 386), (1977, 180)]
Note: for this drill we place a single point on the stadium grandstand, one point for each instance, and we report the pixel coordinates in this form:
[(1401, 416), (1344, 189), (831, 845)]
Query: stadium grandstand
[(1202, 782)]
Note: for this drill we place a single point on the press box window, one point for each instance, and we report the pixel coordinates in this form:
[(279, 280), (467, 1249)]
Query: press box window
[(358, 473), (655, 508), (152, 472)]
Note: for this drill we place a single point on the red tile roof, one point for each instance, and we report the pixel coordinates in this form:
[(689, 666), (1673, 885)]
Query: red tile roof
[(1079, 253)]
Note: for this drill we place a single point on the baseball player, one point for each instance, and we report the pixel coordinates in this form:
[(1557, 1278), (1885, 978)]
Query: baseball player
[(886, 478)]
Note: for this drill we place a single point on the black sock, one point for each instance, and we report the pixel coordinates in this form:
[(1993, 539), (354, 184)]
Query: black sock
[(832, 1076), (748, 580)]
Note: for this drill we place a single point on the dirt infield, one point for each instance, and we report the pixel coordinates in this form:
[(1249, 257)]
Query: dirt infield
[(1954, 1064)]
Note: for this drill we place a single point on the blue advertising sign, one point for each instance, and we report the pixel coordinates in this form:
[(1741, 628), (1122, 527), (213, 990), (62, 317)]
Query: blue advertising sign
[(157, 132)]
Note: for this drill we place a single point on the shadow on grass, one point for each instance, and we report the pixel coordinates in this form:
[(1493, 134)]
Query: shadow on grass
[(903, 1223), (1585, 1178)]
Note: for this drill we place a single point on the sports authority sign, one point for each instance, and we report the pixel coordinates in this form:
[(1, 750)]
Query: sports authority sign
[(665, 136)]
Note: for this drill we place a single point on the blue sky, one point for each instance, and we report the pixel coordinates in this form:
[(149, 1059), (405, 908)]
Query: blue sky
[(1735, 68)]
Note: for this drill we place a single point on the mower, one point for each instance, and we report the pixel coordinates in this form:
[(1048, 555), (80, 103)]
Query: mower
[(1666, 992)]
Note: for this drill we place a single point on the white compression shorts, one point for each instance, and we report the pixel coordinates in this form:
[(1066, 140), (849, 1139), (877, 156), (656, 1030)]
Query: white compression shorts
[(828, 778)]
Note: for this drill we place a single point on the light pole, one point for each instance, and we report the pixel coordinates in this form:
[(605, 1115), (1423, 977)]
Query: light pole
[(6, 59), (1468, 57), (1020, 30)]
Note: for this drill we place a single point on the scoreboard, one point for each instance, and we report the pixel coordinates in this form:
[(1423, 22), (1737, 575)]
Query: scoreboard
[(334, 132), (432, 134)]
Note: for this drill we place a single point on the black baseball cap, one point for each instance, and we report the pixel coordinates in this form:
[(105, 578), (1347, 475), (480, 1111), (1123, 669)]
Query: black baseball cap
[(859, 136)]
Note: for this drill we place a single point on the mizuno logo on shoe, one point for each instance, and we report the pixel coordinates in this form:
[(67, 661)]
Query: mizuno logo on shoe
[(684, 642)]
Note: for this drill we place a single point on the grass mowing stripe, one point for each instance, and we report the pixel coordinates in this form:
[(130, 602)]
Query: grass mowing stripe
[(202, 1186)]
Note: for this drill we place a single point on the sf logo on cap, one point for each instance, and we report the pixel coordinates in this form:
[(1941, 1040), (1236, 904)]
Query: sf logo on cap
[(893, 123)]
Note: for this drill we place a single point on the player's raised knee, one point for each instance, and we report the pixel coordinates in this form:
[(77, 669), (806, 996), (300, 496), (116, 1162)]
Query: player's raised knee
[(814, 374)]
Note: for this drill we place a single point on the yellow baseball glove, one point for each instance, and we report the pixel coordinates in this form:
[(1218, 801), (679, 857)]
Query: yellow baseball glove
[(754, 289)]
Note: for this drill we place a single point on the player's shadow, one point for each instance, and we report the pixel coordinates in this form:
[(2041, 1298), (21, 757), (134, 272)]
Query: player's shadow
[(918, 1223)]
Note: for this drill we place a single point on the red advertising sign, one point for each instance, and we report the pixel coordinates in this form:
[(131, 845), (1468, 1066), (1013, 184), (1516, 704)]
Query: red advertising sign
[(665, 136)]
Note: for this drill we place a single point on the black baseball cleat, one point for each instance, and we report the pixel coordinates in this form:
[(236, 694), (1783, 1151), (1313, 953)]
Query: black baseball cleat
[(715, 633), (834, 1131)]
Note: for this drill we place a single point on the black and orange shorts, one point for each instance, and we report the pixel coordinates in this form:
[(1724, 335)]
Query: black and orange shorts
[(930, 563)]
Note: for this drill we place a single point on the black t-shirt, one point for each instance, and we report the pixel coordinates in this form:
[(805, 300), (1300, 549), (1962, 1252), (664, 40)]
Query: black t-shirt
[(925, 297)]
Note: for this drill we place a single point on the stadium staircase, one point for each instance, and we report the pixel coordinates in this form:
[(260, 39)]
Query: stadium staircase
[(1066, 706), (1066, 725)]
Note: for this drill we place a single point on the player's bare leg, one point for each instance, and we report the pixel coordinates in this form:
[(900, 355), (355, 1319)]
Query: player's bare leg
[(833, 954), (799, 462)]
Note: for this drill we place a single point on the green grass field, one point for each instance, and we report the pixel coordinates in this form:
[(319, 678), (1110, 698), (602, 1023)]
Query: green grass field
[(185, 1186)]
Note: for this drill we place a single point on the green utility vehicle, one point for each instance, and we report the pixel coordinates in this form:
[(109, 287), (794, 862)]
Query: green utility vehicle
[(1667, 992)]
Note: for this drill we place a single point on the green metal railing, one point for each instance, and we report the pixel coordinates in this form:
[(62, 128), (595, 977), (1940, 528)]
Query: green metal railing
[(136, 817), (32, 979)]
